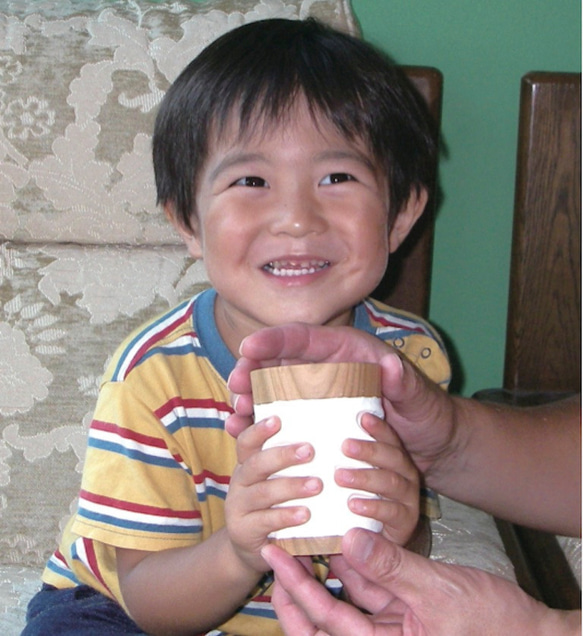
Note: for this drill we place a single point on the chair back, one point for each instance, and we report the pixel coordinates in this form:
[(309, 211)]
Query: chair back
[(543, 337)]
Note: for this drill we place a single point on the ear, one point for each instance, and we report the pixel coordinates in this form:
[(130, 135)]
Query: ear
[(407, 217), (191, 237)]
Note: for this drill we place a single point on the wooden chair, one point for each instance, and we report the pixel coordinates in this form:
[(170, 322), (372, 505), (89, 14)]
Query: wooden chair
[(543, 336), (407, 282)]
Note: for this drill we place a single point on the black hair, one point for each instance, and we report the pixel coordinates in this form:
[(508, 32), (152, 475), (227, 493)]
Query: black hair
[(256, 73)]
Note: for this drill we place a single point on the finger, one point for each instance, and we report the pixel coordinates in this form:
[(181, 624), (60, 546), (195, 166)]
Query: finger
[(236, 424), (408, 395), (239, 381), (384, 483), (378, 429), (282, 490), (292, 619), (261, 523), (260, 466), (243, 404), (312, 344), (316, 603), (381, 455), (401, 573), (364, 593), (251, 440)]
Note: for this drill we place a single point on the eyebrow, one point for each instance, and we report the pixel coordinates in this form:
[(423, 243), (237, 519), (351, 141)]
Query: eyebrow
[(345, 154), (245, 157), (233, 160)]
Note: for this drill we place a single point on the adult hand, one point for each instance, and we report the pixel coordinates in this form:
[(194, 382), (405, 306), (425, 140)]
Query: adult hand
[(421, 413), (405, 594)]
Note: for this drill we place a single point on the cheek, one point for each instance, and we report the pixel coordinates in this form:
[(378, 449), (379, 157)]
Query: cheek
[(379, 242), (375, 237)]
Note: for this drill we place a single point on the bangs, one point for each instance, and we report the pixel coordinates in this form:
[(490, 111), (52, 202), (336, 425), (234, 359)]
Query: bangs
[(262, 90)]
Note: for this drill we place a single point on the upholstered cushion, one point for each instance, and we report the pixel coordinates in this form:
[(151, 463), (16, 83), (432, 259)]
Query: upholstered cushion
[(85, 256), (79, 86)]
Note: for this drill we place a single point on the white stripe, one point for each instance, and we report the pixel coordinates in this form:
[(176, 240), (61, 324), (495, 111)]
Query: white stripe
[(209, 482), (402, 322), (260, 605), (131, 353), (138, 517), (193, 413), (60, 563), (130, 444)]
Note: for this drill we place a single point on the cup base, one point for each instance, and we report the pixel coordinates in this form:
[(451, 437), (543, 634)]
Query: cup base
[(305, 546)]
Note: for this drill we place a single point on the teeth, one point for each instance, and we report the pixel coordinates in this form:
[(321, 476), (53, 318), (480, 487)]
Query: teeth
[(279, 268)]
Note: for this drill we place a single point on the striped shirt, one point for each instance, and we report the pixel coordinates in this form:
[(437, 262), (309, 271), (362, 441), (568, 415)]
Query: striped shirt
[(159, 461)]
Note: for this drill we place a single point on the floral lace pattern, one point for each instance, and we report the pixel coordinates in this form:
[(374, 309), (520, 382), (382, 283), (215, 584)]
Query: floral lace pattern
[(85, 255), (65, 308), (79, 86)]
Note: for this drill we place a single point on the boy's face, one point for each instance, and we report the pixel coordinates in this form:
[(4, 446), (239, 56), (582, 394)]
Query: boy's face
[(292, 224)]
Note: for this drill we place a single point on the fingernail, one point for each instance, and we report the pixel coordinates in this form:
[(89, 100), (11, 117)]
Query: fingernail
[(400, 361), (266, 553), (344, 476), (301, 515), (312, 484), (304, 451), (362, 545), (270, 423)]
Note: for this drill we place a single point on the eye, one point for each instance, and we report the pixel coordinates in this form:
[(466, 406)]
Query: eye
[(337, 177), (251, 182)]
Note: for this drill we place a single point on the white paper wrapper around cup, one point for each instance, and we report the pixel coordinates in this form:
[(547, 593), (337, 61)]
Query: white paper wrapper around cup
[(324, 423)]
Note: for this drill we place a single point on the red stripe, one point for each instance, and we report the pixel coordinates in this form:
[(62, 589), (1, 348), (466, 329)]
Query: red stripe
[(221, 479), (179, 402), (409, 325), (127, 434), (261, 599), (59, 556), (133, 507), (92, 562), (158, 335)]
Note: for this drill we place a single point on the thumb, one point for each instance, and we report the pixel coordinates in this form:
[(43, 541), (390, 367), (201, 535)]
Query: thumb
[(402, 573), (402, 382)]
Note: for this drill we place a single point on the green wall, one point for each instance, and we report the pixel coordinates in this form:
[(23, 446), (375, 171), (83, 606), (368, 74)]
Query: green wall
[(482, 48)]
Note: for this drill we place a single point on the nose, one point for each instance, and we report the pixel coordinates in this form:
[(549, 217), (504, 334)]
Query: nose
[(299, 213)]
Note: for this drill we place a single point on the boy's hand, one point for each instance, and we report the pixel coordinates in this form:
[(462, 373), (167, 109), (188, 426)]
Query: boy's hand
[(249, 513), (393, 477)]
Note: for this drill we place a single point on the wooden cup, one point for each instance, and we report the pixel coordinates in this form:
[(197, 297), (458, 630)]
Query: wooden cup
[(319, 404)]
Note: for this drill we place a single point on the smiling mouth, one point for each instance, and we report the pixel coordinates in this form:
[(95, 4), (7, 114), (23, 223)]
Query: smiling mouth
[(295, 268)]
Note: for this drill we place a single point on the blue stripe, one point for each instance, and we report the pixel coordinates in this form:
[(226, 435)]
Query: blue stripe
[(61, 571), (137, 525), (133, 454), (184, 350), (255, 611), (211, 491), (392, 333), (184, 421)]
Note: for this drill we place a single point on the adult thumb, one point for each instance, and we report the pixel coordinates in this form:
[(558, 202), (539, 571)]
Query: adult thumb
[(386, 564)]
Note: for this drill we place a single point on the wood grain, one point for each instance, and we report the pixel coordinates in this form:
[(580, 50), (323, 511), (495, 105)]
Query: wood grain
[(310, 546), (543, 346), (316, 381)]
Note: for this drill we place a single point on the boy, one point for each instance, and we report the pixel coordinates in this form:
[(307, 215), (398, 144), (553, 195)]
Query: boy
[(292, 159)]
